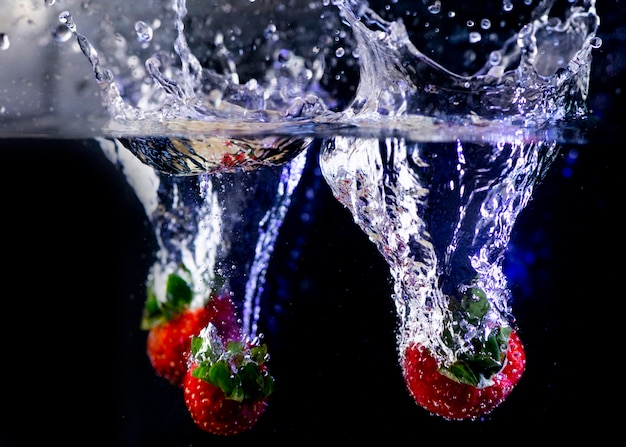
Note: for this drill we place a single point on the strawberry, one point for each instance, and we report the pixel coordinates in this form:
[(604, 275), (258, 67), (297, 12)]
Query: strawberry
[(479, 380), (171, 324), (227, 386)]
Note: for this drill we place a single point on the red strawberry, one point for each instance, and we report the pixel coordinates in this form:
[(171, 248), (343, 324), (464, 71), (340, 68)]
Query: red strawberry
[(480, 380), (168, 343), (451, 399), (172, 323), (226, 388)]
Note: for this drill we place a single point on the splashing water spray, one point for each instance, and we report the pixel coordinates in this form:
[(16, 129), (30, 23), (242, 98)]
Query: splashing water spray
[(433, 158)]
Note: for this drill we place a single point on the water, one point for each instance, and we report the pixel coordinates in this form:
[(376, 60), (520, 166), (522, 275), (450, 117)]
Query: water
[(539, 77), (200, 232), (441, 215), (335, 303)]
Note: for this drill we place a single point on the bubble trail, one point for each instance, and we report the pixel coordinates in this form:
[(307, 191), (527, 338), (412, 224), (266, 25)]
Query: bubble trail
[(269, 227)]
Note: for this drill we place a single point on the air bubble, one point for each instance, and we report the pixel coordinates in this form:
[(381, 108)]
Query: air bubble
[(596, 42), (66, 18), (495, 58), (144, 31), (475, 37), (4, 41), (284, 55), (61, 33), (435, 8)]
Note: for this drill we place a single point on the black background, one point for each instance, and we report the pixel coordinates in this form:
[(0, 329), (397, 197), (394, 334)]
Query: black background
[(77, 246)]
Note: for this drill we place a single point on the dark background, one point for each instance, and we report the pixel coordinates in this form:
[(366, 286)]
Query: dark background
[(77, 247)]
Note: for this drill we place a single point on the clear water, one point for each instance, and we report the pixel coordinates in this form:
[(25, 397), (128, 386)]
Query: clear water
[(426, 126)]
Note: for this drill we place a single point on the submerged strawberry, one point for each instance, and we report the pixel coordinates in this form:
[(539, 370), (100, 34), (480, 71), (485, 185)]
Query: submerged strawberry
[(227, 385), (479, 381), (171, 324)]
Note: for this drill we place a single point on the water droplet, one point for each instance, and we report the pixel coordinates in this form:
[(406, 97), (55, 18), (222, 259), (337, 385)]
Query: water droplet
[(49, 2), (4, 41)]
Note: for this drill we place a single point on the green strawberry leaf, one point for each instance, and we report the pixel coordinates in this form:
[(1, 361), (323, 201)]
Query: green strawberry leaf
[(202, 371), (250, 378), (266, 385), (220, 376), (196, 345), (486, 356), (178, 296), (486, 360), (475, 304), (259, 353), (235, 347), (239, 370), (460, 372), (178, 293)]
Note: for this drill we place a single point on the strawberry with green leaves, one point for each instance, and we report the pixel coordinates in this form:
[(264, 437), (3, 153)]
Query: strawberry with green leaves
[(480, 379), (173, 321), (227, 385)]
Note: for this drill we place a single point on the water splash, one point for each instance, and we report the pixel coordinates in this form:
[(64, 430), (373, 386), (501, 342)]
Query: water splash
[(540, 74), (200, 232), (251, 97), (434, 163), (174, 86), (441, 215), (277, 72)]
